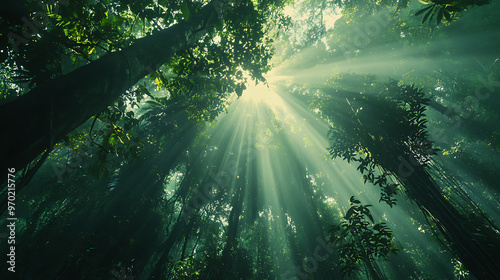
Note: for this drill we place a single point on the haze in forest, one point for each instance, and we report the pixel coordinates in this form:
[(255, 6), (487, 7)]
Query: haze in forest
[(250, 139)]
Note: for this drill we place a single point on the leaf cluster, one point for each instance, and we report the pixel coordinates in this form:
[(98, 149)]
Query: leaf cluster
[(204, 76), (360, 239), (446, 8), (68, 34), (373, 129)]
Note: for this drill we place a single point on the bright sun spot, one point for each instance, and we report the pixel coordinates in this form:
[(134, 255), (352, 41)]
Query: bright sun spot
[(259, 93)]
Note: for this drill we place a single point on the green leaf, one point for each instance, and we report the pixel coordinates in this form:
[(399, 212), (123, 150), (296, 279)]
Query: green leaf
[(349, 213), (440, 16), (353, 200), (185, 10), (427, 15), (447, 15), (369, 215), (423, 10)]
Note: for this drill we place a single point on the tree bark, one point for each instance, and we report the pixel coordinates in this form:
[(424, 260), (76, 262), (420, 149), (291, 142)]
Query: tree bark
[(468, 126), (480, 257), (473, 239), (39, 119), (227, 257)]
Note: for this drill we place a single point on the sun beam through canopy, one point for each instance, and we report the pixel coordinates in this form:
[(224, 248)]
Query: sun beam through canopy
[(289, 165)]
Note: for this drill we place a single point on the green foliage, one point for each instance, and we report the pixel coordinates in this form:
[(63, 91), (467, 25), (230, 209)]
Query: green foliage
[(126, 212), (370, 6), (186, 10), (79, 32), (203, 76), (360, 240), (102, 145), (366, 127), (446, 8), (185, 270)]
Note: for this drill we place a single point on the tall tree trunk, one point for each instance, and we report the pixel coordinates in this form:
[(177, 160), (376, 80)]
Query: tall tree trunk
[(477, 247), (185, 221), (37, 120), (370, 264), (232, 232), (474, 129), (472, 237), (174, 236)]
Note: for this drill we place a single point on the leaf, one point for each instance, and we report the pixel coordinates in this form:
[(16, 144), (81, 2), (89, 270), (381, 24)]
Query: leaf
[(354, 200), (427, 15), (185, 10), (349, 213), (423, 10), (158, 84), (368, 214), (447, 15), (440, 16)]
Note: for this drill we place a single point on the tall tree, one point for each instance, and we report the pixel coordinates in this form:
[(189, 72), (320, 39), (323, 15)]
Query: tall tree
[(45, 115), (387, 137), (48, 112)]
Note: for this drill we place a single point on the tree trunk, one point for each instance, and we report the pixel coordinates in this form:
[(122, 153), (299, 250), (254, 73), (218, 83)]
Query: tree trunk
[(227, 257), (370, 265), (468, 126), (472, 238), (37, 120), (174, 236), (462, 233)]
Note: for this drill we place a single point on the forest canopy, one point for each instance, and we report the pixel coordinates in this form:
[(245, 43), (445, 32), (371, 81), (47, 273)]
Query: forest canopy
[(250, 139)]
